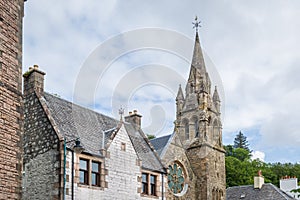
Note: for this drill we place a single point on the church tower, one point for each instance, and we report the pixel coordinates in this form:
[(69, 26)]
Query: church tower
[(11, 15), (198, 125)]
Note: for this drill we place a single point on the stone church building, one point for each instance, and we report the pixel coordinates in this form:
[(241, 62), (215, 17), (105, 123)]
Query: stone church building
[(72, 152), (51, 148)]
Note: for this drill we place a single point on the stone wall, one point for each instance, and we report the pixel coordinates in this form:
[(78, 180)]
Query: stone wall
[(11, 15), (122, 174), (41, 176), (176, 153), (41, 152)]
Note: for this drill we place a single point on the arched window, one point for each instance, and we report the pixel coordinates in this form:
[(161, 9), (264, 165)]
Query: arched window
[(187, 130), (215, 131), (196, 127)]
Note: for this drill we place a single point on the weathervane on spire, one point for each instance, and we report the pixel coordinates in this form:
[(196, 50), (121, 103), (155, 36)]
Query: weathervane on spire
[(196, 23)]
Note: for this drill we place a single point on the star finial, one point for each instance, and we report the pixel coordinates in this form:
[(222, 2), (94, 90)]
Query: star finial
[(196, 23), (121, 112)]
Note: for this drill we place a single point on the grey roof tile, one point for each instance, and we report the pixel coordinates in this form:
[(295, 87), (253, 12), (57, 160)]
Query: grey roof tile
[(74, 121), (248, 192), (160, 143), (143, 149)]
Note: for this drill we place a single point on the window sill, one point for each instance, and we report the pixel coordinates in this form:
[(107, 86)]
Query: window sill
[(90, 186), (150, 196)]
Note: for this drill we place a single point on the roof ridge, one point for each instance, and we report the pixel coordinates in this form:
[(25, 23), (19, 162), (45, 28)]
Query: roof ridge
[(171, 136), (80, 106), (161, 137), (237, 186), (281, 192)]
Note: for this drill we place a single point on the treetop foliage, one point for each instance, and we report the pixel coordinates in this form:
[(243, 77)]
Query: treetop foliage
[(240, 141), (240, 169)]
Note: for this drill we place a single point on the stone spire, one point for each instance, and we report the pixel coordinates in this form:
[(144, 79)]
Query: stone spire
[(216, 100), (198, 78), (216, 97), (179, 94), (198, 60), (179, 100)]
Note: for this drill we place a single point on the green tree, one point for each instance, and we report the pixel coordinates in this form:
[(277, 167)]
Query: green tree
[(150, 137), (241, 154), (240, 141), (229, 150)]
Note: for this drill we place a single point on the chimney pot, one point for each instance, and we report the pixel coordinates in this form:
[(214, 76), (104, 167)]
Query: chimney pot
[(134, 119), (259, 180), (34, 81)]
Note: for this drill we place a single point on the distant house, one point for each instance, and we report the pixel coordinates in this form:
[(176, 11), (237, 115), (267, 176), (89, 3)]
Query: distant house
[(258, 191), (288, 184)]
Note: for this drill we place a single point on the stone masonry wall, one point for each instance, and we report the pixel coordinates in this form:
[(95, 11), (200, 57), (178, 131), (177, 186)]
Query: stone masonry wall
[(123, 172), (123, 179), (176, 152), (41, 152), (11, 15)]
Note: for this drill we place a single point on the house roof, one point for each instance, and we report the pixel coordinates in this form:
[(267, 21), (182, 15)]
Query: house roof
[(95, 130), (248, 192), (160, 143)]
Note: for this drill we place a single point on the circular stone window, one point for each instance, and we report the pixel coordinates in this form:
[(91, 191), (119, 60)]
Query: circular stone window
[(176, 179)]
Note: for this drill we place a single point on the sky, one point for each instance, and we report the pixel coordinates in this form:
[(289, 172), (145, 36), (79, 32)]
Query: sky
[(133, 54)]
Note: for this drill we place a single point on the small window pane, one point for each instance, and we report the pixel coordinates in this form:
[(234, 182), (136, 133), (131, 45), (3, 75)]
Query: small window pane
[(144, 177), (83, 171), (153, 185), (95, 167), (83, 177), (83, 164), (145, 183), (94, 179), (152, 179)]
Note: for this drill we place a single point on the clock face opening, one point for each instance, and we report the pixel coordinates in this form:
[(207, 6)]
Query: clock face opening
[(176, 178)]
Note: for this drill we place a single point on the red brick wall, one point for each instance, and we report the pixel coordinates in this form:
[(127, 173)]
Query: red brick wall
[(11, 14)]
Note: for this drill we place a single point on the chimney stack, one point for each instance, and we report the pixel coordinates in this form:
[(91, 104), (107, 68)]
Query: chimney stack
[(34, 81), (134, 118), (259, 180)]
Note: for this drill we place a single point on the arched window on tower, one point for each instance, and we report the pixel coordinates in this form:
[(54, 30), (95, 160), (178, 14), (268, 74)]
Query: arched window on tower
[(186, 129), (196, 127), (216, 131)]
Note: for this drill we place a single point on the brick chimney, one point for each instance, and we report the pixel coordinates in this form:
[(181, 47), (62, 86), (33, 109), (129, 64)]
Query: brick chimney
[(258, 180), (134, 118), (34, 81)]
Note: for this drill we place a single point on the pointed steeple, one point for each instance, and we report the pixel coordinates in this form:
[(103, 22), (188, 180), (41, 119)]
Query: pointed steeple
[(216, 100), (198, 60), (179, 101), (198, 78), (216, 97), (179, 94)]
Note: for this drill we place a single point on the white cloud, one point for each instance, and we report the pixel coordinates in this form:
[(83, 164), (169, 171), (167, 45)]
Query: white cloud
[(258, 155), (253, 44)]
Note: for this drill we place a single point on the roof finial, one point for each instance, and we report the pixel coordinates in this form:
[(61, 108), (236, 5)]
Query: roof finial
[(196, 23), (121, 112)]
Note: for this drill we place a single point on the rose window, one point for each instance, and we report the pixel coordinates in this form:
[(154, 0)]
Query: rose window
[(175, 178)]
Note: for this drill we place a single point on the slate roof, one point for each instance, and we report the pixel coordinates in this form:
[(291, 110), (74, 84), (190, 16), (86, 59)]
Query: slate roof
[(160, 143), (74, 121), (247, 192)]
